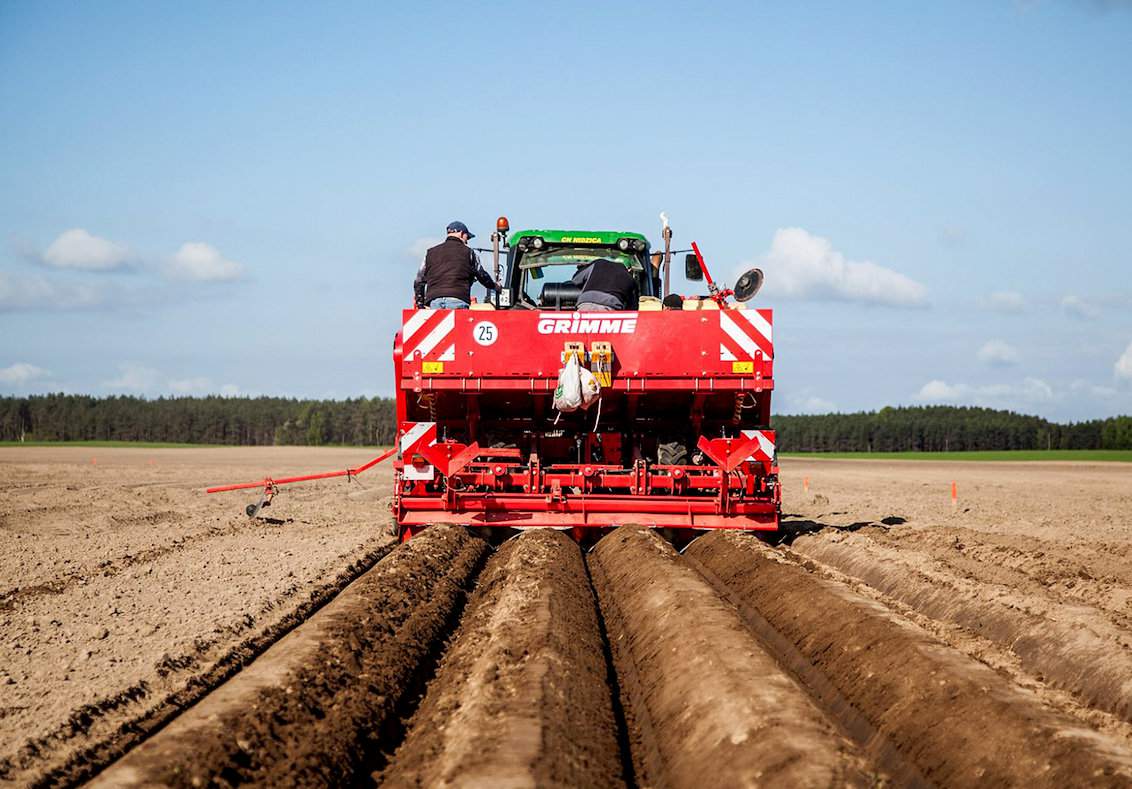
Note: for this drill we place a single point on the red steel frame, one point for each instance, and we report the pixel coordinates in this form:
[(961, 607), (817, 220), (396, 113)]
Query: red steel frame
[(484, 487)]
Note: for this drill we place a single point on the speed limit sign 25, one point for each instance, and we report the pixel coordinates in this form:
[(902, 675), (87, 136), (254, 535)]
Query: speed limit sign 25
[(485, 333)]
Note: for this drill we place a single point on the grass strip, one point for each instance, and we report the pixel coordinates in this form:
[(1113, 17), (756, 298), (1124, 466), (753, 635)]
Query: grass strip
[(1023, 455)]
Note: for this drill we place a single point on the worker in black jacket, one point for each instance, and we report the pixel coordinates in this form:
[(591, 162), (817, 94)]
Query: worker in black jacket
[(606, 286), (444, 280)]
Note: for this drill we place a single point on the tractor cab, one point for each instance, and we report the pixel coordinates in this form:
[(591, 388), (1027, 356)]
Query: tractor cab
[(542, 263)]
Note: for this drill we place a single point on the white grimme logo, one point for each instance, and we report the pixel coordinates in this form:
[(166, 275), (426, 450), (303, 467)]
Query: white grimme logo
[(579, 324)]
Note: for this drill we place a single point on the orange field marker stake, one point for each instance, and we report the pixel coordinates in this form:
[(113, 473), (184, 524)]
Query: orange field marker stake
[(806, 484), (954, 495), (94, 461)]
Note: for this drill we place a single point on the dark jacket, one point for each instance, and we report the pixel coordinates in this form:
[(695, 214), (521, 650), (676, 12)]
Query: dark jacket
[(447, 272), (609, 284)]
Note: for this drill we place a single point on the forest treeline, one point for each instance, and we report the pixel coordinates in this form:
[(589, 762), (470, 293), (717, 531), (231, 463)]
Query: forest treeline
[(944, 428), (248, 421), (372, 421)]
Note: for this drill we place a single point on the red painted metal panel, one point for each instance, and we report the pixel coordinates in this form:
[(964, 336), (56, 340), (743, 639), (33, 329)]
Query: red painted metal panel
[(702, 353), (520, 345)]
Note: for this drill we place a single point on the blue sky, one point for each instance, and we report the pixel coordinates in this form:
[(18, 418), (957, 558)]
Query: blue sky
[(227, 197)]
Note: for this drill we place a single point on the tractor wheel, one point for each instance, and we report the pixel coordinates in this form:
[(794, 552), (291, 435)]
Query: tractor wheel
[(671, 453)]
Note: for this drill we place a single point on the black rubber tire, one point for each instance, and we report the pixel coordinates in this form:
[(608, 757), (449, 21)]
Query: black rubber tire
[(671, 453)]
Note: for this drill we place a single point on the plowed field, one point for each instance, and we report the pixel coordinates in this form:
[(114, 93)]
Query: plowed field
[(155, 636)]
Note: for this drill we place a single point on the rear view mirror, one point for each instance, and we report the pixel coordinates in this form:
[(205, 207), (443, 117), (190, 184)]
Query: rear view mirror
[(692, 270), (748, 285)]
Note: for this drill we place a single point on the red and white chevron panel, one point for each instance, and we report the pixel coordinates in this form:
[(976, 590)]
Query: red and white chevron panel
[(414, 437), (431, 334), (745, 335), (764, 452)]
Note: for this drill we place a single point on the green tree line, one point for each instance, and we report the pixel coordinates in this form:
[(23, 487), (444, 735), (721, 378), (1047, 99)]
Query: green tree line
[(256, 421), (944, 428), (248, 421)]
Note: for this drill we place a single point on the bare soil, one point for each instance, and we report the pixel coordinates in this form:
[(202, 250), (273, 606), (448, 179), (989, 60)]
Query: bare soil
[(1030, 572), (522, 697), (703, 697), (906, 684), (888, 637), (316, 708), (1084, 505), (126, 591)]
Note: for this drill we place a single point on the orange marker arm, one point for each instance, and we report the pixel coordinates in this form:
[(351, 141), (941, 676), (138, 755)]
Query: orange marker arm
[(349, 472)]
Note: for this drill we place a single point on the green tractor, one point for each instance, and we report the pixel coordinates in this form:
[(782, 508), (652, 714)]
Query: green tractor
[(541, 263)]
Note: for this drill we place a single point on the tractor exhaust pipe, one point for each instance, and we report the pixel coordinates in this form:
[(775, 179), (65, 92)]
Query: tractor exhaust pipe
[(498, 238)]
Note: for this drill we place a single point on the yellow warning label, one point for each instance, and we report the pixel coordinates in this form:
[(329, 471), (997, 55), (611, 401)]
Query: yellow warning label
[(438, 367), (736, 367)]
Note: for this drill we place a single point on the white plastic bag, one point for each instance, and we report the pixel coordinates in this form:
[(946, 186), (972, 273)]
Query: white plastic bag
[(591, 389), (568, 395)]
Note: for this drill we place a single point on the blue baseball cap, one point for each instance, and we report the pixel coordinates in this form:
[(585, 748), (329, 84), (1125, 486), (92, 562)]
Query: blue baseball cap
[(460, 227)]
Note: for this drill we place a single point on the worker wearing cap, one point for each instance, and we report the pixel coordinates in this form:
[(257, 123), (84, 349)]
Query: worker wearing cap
[(444, 280), (606, 286)]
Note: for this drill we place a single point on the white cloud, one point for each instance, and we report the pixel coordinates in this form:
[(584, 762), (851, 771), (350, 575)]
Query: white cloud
[(1080, 386), (78, 249), (21, 373), (816, 405), (29, 293), (998, 353), (802, 265), (803, 400), (1123, 366), (1036, 390), (1077, 307), (190, 386), (939, 391), (418, 248), (1007, 301), (1029, 391), (201, 385), (203, 263), (134, 378), (140, 379)]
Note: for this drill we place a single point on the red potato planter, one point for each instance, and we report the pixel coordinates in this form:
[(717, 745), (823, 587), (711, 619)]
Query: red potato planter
[(680, 440), (677, 437)]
